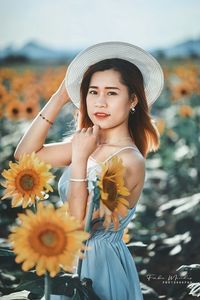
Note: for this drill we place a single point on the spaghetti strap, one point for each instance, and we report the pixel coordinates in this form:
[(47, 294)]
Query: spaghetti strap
[(120, 150), (115, 153)]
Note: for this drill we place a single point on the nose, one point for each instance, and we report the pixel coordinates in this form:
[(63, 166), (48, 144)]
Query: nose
[(100, 101)]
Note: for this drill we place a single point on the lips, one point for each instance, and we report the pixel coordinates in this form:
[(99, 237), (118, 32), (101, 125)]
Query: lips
[(101, 114)]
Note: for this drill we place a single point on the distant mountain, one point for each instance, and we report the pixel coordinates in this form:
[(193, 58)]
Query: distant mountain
[(190, 48), (35, 51)]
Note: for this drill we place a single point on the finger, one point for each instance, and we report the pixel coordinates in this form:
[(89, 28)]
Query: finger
[(90, 130), (96, 129), (84, 130)]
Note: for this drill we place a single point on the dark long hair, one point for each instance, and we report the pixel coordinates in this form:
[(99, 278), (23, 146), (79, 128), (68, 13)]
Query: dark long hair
[(140, 124)]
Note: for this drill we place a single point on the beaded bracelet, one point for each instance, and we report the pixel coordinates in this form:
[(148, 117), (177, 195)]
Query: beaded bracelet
[(45, 119), (78, 179)]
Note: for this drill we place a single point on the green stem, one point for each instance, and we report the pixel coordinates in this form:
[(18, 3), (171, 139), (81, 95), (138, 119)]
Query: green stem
[(47, 286)]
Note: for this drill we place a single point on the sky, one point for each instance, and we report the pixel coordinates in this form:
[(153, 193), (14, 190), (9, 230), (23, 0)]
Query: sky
[(71, 24)]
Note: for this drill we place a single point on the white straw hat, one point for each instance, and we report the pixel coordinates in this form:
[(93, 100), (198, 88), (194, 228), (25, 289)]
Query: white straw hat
[(147, 64)]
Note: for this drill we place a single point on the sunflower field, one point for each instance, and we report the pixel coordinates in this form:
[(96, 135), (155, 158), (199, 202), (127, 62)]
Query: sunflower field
[(164, 235)]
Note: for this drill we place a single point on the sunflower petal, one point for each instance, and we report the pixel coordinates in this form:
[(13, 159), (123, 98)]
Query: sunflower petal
[(121, 210)]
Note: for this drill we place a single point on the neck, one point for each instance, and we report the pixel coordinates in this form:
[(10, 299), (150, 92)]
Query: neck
[(114, 137)]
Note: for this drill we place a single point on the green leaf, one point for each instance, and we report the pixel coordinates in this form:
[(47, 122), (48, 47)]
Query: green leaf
[(6, 252), (62, 285), (35, 284), (31, 282)]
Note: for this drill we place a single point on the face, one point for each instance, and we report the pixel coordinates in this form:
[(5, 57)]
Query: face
[(108, 101)]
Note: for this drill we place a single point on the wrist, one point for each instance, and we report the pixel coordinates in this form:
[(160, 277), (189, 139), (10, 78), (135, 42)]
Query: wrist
[(60, 100), (79, 160)]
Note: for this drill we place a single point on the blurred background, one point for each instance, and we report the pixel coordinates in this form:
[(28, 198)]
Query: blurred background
[(38, 39)]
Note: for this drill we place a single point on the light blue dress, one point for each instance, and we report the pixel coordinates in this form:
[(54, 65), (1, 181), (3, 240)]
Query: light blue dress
[(108, 262)]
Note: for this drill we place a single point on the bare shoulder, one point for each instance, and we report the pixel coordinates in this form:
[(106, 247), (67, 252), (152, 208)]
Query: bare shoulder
[(133, 159), (134, 164), (134, 176)]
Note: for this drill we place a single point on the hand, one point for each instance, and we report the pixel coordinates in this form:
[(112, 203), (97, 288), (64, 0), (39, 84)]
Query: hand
[(84, 142), (62, 94)]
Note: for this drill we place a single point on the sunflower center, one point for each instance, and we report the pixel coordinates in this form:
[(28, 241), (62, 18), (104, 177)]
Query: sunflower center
[(27, 182), (15, 111), (183, 92), (49, 240), (29, 110), (110, 188)]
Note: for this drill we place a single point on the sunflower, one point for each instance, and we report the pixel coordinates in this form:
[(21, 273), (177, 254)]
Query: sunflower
[(181, 90), (160, 124), (14, 109), (126, 237), (50, 81), (7, 73), (19, 83), (31, 108), (26, 180), (172, 134), (4, 95), (185, 111), (49, 240), (112, 192)]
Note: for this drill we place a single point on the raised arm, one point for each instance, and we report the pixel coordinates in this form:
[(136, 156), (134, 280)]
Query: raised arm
[(35, 136)]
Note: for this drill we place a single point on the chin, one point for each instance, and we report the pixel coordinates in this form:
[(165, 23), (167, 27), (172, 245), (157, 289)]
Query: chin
[(106, 126)]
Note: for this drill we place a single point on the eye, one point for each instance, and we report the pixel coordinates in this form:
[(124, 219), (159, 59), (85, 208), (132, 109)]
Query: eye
[(92, 92), (112, 93)]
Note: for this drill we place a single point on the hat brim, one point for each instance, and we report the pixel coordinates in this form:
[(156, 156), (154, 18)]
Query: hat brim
[(147, 64)]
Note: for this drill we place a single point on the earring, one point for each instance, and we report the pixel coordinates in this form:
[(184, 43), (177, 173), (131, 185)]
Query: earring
[(132, 110)]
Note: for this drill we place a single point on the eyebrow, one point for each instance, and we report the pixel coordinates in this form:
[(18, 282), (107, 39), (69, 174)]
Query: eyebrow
[(107, 87)]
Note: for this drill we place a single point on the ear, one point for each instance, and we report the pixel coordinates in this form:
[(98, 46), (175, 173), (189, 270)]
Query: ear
[(134, 100)]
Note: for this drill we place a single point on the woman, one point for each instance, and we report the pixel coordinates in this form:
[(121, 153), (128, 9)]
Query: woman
[(113, 84)]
